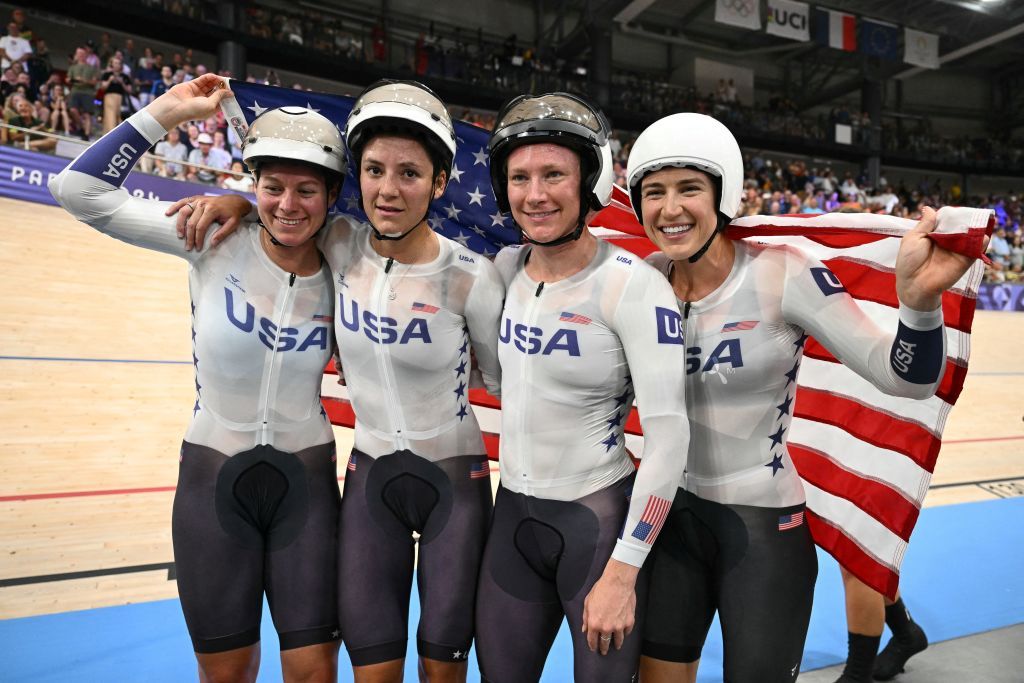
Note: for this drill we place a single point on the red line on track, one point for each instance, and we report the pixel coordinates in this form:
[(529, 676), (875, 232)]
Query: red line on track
[(162, 489), (989, 438), (82, 494), (79, 494)]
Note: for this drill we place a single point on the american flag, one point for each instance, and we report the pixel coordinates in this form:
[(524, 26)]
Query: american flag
[(466, 213), (866, 458), (791, 521), (351, 466), (319, 317), (479, 470), (425, 308), (740, 326), (651, 521), (575, 318)]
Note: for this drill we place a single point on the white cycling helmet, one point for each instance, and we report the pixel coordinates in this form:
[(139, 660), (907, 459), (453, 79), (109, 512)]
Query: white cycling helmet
[(402, 107), (294, 134), (561, 119), (689, 141)]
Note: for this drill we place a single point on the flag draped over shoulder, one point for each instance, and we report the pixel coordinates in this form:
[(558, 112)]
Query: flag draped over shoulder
[(467, 213), (866, 458)]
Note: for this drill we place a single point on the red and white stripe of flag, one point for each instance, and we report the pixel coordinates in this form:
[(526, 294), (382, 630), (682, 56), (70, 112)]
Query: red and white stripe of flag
[(866, 458)]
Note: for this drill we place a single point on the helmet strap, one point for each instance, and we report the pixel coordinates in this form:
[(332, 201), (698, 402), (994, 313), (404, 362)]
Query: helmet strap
[(273, 240), (276, 243), (394, 238), (567, 237), (707, 245)]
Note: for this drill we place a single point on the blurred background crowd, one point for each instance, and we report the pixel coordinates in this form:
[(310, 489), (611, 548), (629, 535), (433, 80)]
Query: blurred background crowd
[(89, 90)]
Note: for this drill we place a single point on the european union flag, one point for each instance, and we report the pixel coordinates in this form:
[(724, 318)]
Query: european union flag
[(466, 213), (879, 39)]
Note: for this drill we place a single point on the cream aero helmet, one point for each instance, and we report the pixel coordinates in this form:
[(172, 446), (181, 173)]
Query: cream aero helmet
[(294, 134), (695, 141), (405, 108), (559, 119)]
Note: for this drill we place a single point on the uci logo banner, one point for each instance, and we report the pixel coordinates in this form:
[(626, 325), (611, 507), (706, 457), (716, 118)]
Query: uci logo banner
[(788, 19)]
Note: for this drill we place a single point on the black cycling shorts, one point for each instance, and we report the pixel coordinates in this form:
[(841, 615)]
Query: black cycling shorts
[(259, 521), (756, 566), (388, 499), (542, 559)]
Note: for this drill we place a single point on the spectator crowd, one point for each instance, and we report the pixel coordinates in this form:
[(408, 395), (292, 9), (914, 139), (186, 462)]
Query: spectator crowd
[(105, 82)]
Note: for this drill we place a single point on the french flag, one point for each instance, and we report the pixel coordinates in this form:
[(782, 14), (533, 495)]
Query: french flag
[(835, 29)]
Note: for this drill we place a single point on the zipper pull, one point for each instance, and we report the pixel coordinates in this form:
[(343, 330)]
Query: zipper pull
[(291, 280), (387, 268), (540, 288), (686, 310)]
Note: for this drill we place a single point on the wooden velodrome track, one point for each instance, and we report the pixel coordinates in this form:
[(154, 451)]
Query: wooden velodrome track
[(96, 391)]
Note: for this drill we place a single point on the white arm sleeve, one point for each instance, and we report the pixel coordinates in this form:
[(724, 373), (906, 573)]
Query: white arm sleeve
[(650, 329), (483, 316), (908, 361), (90, 189)]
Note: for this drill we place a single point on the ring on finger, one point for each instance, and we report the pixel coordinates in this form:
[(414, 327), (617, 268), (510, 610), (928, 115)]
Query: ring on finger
[(606, 638)]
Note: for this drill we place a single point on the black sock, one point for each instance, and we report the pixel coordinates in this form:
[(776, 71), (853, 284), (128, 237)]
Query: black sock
[(861, 658), (897, 618)]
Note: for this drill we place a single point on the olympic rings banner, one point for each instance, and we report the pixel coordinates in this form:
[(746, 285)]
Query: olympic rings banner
[(742, 13), (24, 175)]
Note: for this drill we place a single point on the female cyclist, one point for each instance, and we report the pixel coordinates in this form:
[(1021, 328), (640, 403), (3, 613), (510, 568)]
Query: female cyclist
[(256, 505), (735, 541)]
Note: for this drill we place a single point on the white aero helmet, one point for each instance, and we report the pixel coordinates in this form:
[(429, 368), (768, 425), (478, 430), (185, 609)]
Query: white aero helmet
[(403, 107), (560, 119), (294, 134), (688, 141)]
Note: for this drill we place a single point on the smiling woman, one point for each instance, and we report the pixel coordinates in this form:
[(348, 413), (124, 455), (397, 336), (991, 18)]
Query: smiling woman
[(543, 187), (257, 433), (297, 158), (585, 327), (679, 205), (751, 307)]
